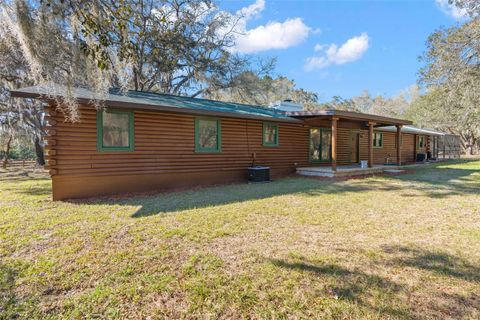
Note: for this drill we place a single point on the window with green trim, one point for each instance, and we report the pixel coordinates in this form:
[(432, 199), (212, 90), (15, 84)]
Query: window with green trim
[(320, 144), (421, 141), (115, 130), (378, 139), (207, 135), (270, 134)]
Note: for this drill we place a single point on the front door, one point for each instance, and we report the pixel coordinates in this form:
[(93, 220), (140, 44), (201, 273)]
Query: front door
[(354, 147)]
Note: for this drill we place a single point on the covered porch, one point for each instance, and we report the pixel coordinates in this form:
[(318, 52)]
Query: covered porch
[(348, 138)]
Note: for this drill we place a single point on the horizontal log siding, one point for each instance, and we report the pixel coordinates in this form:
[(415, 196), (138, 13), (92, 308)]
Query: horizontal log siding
[(164, 157), (165, 142), (408, 144), (164, 147), (379, 154), (388, 150)]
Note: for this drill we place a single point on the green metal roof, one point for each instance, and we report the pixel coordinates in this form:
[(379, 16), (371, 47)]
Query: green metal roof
[(157, 101), (197, 106)]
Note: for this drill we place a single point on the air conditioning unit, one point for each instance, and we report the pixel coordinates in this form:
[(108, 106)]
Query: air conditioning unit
[(421, 157), (258, 174)]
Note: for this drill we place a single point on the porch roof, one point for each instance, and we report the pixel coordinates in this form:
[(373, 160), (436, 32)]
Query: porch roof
[(414, 130), (349, 115)]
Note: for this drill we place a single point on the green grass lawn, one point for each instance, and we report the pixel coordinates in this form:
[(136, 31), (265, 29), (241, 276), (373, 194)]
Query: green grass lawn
[(406, 246)]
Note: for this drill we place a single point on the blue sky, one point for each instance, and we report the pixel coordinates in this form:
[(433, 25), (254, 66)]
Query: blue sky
[(360, 45)]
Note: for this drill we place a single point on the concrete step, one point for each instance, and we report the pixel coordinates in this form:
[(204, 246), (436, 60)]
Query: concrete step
[(342, 172)]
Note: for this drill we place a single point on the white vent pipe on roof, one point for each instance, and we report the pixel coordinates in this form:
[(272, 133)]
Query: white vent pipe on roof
[(288, 106)]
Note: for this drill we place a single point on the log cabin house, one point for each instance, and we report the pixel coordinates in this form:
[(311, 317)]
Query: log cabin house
[(144, 141)]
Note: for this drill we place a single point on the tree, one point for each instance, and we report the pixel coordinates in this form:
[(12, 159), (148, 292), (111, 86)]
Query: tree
[(449, 113), (451, 55), (179, 47), (9, 126), (22, 118), (472, 7), (264, 90), (451, 77), (396, 106), (15, 73), (170, 46), (38, 48)]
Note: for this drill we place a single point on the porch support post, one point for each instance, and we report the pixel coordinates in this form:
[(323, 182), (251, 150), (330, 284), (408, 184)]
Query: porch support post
[(444, 147), (399, 145), (334, 143), (370, 144), (414, 148)]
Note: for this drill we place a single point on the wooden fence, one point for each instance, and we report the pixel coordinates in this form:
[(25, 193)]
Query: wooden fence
[(21, 163)]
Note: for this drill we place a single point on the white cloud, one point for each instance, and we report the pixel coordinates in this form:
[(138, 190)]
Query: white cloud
[(252, 10), (352, 50), (273, 35), (319, 47), (451, 10)]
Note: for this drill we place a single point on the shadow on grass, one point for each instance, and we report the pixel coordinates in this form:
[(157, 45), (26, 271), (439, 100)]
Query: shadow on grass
[(23, 174), (441, 263), (364, 288), (40, 189), (442, 180), (448, 266), (434, 181), (222, 195), (37, 191), (15, 177), (353, 286)]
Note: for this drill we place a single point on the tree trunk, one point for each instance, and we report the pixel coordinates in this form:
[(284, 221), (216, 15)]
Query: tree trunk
[(39, 151), (7, 152), (474, 146)]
